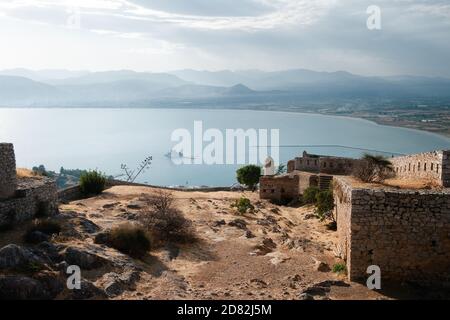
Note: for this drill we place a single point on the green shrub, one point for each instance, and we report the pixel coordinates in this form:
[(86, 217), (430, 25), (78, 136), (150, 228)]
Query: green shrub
[(339, 268), (324, 204), (130, 239), (249, 176), (310, 195), (243, 205), (92, 182)]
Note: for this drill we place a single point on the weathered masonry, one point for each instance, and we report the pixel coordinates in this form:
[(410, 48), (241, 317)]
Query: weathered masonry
[(322, 164), (303, 172), (432, 166), (285, 187), (8, 180), (404, 232), (23, 198)]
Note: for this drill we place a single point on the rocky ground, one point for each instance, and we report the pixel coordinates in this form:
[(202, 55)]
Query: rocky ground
[(274, 253)]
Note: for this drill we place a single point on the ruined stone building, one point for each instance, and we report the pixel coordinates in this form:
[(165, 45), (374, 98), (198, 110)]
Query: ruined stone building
[(25, 197), (433, 167), (307, 171), (405, 232)]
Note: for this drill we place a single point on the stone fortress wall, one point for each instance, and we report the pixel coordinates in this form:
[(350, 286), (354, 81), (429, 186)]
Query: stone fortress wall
[(322, 164), (404, 232), (432, 166), (8, 176), (23, 198)]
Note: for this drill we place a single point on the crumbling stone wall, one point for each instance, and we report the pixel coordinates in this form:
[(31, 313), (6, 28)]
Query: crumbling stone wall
[(322, 164), (8, 174), (337, 166), (404, 232), (431, 166), (33, 197), (24, 198), (286, 187)]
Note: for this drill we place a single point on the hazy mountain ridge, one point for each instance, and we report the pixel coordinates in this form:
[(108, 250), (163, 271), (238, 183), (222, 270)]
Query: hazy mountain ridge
[(127, 88)]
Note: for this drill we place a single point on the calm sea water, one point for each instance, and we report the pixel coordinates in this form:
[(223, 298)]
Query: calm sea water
[(105, 138)]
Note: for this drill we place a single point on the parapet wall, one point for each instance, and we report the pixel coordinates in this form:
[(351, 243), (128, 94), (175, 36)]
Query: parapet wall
[(8, 180), (404, 232), (33, 197), (322, 164), (431, 166)]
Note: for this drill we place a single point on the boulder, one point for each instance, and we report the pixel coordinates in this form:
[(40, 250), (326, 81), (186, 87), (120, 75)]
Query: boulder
[(322, 266), (14, 287), (15, 257), (50, 250), (87, 291), (83, 259), (249, 234), (51, 281), (219, 223), (238, 223), (114, 284), (102, 237), (37, 237), (88, 226)]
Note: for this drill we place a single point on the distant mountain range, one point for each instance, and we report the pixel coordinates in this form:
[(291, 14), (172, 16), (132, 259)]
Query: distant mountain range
[(52, 88)]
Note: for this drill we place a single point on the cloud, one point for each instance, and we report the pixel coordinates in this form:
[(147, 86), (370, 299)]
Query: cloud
[(203, 14), (325, 35)]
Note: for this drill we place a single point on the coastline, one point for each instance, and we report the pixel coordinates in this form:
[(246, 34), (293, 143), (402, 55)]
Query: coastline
[(307, 111)]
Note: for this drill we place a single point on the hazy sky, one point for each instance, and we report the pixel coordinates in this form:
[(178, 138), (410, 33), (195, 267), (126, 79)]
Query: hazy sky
[(161, 35)]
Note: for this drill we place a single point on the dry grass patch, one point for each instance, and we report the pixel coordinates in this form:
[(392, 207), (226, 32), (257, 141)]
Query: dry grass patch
[(27, 173)]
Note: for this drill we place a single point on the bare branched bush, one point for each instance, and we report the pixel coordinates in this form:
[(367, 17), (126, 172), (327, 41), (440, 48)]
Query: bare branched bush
[(373, 169), (163, 222)]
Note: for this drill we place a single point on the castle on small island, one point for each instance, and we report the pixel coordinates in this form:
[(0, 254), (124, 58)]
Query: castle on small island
[(403, 230)]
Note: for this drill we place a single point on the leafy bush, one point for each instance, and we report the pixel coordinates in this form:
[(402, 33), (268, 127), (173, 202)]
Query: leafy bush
[(339, 268), (249, 176), (310, 195), (373, 169), (130, 239), (324, 204), (165, 223), (92, 182), (243, 205)]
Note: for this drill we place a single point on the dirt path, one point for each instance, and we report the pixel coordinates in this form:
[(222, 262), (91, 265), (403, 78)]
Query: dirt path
[(271, 254)]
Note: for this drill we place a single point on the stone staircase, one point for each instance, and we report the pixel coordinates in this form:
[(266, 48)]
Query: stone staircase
[(325, 182)]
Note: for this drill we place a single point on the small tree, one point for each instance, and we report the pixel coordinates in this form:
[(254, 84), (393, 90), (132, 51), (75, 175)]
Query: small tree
[(310, 195), (249, 176), (92, 182), (325, 204), (282, 169), (373, 168)]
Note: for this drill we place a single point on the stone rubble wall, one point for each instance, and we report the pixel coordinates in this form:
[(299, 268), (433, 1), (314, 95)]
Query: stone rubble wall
[(404, 232), (320, 164), (33, 197), (280, 187), (8, 176), (431, 166)]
